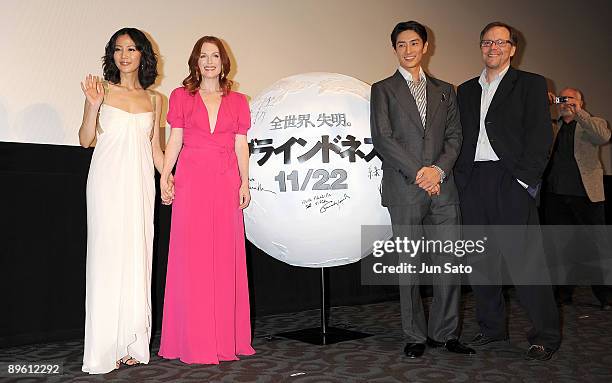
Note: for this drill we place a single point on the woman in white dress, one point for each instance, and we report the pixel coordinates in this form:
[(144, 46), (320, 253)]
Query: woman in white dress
[(121, 118)]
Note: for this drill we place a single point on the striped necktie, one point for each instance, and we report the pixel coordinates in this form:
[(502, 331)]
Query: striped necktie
[(419, 92)]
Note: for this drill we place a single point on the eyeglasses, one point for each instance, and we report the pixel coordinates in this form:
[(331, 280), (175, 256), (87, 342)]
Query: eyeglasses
[(500, 43)]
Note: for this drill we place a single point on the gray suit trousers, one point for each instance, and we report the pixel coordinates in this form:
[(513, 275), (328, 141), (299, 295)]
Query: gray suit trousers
[(417, 221)]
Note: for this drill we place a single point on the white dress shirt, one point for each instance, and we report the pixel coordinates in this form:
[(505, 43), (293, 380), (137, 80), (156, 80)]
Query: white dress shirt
[(484, 150), (418, 91)]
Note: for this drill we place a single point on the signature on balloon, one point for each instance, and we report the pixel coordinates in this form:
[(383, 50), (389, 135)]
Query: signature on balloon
[(253, 185), (329, 204)]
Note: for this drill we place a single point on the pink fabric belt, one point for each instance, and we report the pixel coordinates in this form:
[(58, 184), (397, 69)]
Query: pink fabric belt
[(226, 154)]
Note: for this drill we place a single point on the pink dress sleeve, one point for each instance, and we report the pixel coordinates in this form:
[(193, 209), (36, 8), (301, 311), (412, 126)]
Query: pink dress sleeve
[(244, 115), (176, 117)]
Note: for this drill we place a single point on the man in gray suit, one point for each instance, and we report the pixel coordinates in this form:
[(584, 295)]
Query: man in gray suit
[(574, 182), (416, 130)]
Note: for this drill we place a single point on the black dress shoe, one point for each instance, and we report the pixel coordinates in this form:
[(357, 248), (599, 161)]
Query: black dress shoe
[(606, 306), (414, 350), (537, 352), (453, 345), (482, 339)]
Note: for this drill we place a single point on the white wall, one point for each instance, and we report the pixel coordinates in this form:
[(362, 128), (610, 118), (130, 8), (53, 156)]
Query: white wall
[(49, 46)]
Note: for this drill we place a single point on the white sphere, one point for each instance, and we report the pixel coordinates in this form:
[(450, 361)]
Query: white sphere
[(308, 209)]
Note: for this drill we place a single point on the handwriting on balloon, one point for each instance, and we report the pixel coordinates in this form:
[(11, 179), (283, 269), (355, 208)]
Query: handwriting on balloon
[(255, 185), (324, 201), (338, 202), (315, 200)]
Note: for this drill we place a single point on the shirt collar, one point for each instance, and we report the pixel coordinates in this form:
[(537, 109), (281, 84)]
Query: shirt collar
[(483, 76), (408, 76)]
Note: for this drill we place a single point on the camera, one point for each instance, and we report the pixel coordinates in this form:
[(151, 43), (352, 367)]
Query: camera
[(561, 100)]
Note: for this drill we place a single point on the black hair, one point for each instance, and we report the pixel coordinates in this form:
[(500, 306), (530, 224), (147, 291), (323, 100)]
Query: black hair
[(513, 33), (147, 72), (408, 26)]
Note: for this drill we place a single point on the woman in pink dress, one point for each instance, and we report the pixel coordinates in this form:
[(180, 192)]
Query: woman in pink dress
[(206, 307)]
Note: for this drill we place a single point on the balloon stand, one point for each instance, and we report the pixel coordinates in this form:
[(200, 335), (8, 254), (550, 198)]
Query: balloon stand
[(325, 334)]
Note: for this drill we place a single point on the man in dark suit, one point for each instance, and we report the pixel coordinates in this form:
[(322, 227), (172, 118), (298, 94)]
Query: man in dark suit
[(416, 130), (506, 140)]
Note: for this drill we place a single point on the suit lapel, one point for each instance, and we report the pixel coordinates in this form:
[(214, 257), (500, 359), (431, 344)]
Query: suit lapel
[(504, 89), (475, 94), (434, 98), (405, 99)]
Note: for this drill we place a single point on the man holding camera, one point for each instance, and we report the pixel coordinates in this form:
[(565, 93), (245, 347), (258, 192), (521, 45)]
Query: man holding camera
[(574, 182)]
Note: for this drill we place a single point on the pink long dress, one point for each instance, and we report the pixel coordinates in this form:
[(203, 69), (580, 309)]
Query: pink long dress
[(206, 306)]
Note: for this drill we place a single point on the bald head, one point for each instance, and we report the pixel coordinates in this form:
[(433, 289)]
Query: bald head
[(572, 92)]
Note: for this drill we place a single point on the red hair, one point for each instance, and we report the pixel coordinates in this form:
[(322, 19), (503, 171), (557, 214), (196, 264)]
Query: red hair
[(192, 82)]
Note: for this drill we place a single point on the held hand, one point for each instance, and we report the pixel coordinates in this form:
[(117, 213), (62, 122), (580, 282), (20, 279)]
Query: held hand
[(166, 186), (94, 90), (551, 98), (163, 187), (245, 195), (171, 186), (427, 177)]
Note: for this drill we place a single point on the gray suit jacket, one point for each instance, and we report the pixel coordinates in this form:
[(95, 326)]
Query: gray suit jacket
[(591, 133), (405, 147)]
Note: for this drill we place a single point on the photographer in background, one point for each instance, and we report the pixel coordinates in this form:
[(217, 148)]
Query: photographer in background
[(574, 191)]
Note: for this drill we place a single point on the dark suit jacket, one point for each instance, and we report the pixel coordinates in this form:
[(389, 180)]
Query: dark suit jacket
[(405, 147), (517, 124)]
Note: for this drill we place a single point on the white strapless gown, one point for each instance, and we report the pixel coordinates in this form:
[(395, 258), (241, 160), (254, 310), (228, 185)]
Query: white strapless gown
[(120, 203)]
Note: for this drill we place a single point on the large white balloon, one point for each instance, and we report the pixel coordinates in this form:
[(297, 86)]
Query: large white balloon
[(314, 177)]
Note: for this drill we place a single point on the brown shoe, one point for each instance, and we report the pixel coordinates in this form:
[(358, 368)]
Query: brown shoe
[(537, 352)]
